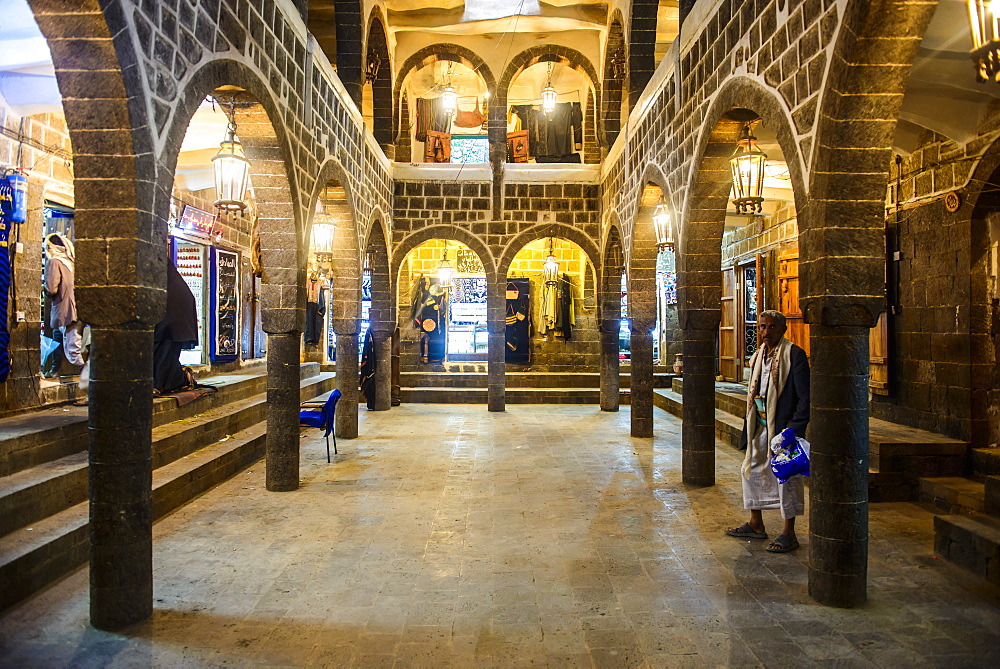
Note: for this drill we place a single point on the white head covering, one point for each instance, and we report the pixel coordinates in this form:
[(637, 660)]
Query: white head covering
[(62, 251)]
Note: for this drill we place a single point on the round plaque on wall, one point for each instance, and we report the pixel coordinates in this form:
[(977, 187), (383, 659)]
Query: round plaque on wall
[(952, 201)]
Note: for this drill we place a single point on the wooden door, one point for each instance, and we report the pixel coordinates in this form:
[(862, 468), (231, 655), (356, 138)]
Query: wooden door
[(729, 363), (788, 298), (878, 357)]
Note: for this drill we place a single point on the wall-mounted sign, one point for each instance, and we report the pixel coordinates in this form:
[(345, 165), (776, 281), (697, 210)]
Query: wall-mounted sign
[(196, 221), (226, 299)]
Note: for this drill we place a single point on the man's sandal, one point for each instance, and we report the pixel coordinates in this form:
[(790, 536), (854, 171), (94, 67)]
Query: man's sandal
[(744, 531), (782, 544)]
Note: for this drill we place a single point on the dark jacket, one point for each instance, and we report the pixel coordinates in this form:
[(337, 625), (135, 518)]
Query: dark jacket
[(793, 403)]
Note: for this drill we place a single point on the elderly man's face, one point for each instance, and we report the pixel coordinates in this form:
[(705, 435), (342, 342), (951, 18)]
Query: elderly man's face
[(770, 331)]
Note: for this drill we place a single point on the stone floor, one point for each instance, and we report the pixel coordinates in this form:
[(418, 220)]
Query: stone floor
[(449, 535)]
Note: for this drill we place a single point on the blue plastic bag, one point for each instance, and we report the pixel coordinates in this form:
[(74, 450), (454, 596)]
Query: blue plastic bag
[(790, 456)]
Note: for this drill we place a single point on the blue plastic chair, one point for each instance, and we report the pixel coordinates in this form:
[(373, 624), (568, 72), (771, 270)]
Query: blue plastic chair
[(321, 416)]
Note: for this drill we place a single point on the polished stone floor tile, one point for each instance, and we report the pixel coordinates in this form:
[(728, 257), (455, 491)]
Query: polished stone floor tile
[(543, 536)]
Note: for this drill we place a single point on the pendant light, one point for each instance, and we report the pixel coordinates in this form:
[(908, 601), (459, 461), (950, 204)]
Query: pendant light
[(662, 224), (983, 17), (232, 169), (322, 237), (549, 94), (550, 268), (449, 97), (748, 163), (445, 273)]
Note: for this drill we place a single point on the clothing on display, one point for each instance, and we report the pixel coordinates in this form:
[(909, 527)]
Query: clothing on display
[(369, 363), (554, 137), (558, 308), (517, 344), (437, 148), (470, 119), (315, 310), (430, 116), (426, 313), (177, 331)]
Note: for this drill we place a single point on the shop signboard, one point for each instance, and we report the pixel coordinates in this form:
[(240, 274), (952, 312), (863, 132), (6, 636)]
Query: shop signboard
[(189, 258), (196, 221), (225, 305)]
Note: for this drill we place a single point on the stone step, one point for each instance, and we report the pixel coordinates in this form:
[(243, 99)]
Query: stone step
[(728, 428), (35, 556), (43, 436), (971, 542), (953, 494), (32, 494), (511, 396), (985, 462), (518, 380)]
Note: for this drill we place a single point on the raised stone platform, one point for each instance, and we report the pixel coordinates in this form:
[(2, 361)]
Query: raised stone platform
[(470, 387)]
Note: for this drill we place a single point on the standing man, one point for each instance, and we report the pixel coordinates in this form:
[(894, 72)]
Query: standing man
[(778, 398)]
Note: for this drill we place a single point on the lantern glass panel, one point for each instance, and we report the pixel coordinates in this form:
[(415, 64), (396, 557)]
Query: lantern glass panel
[(549, 97), (662, 226), (449, 101), (550, 269), (232, 173), (322, 237), (446, 274)]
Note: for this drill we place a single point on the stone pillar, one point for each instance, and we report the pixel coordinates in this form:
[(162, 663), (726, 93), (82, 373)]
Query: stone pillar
[(396, 382), (496, 370), (120, 472), (698, 409), (610, 365), (641, 394), (282, 438), (347, 381), (838, 483), (383, 371)]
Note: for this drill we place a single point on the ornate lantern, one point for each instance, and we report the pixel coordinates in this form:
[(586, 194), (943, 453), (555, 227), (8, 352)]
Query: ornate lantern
[(983, 16), (748, 163), (550, 268), (322, 237), (446, 273), (232, 170), (662, 224), (372, 65), (369, 262), (549, 95), (449, 100)]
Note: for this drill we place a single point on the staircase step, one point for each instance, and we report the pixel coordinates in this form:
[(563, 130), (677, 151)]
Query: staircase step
[(44, 509), (511, 395), (986, 461), (42, 436), (32, 557), (971, 542), (953, 494), (728, 428), (422, 380)]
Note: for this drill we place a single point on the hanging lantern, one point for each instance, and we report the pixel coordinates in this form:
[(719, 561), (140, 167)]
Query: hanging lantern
[(449, 100), (369, 262), (549, 95), (372, 65), (662, 224), (446, 274), (983, 17), (322, 237), (748, 163), (550, 268), (232, 170)]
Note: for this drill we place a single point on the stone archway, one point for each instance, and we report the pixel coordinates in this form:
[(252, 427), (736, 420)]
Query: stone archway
[(333, 193), (610, 312), (381, 86)]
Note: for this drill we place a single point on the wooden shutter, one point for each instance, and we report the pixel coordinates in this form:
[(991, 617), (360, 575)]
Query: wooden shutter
[(788, 298), (878, 357), (729, 362)]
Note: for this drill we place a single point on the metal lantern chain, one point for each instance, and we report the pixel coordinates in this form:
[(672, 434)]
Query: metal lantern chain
[(748, 163)]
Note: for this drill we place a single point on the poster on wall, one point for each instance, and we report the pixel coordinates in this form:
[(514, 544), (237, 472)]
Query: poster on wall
[(189, 258), (517, 345), (226, 303)]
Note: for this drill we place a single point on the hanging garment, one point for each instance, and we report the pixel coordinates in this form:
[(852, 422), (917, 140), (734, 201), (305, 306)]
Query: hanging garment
[(430, 116), (517, 344), (565, 314), (429, 320), (315, 308), (176, 332), (470, 119), (553, 137), (369, 363)]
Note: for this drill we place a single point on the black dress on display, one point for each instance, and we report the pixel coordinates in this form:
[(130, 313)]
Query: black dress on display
[(178, 331)]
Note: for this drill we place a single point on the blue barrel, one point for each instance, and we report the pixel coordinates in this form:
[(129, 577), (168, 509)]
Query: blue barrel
[(19, 186)]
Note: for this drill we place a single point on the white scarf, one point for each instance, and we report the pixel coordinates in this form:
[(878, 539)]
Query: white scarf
[(64, 254), (776, 384)]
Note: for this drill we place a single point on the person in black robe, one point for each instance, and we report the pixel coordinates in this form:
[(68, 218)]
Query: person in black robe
[(177, 331), (369, 362)]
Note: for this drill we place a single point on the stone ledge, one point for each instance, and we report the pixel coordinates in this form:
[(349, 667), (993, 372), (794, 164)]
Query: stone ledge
[(971, 542)]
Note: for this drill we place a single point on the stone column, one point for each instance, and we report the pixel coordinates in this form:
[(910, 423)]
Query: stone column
[(496, 370), (346, 425), (641, 394), (383, 371), (610, 365), (838, 483), (282, 438), (698, 409), (120, 472)]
